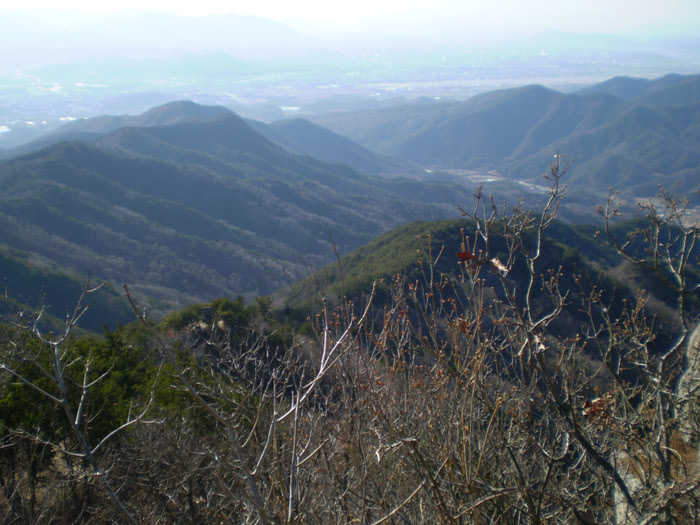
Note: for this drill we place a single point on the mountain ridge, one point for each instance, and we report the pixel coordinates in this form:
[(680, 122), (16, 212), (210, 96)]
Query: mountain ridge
[(510, 131), (194, 209), (189, 202), (303, 137)]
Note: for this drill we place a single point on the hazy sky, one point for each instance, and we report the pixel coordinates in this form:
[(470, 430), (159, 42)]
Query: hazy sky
[(518, 16)]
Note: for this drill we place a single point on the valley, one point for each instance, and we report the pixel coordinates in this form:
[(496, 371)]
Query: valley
[(188, 202), (429, 263)]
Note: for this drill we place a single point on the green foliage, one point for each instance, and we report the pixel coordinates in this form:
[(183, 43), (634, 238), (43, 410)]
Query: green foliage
[(184, 317), (233, 313), (23, 407), (127, 372)]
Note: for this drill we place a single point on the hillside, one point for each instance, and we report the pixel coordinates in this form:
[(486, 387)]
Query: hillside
[(633, 144), (198, 209), (407, 249), (30, 283), (306, 138), (93, 128), (416, 254), (631, 88), (298, 136)]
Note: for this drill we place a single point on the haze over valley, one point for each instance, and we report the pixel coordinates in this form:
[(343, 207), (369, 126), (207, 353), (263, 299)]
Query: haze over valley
[(64, 68)]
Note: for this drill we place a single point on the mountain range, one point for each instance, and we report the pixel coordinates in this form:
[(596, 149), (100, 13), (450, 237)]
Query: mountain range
[(188, 202), (633, 133), (298, 136), (197, 207)]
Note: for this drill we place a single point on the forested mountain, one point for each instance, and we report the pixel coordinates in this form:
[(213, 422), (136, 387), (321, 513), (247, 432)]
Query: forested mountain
[(502, 365), (413, 252), (199, 208), (93, 128), (632, 88), (189, 202), (306, 138), (298, 136), (633, 133), (634, 144)]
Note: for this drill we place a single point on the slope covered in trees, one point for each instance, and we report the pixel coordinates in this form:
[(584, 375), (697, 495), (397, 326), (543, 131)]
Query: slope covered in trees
[(504, 377), (198, 208), (303, 137), (646, 138)]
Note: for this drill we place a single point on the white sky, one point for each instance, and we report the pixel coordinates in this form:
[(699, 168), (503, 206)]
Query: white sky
[(582, 16)]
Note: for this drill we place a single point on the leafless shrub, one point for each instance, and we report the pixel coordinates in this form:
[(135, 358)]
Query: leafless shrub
[(510, 392)]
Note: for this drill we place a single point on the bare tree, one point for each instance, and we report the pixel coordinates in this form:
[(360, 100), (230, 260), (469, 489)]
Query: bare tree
[(509, 389), (261, 407), (577, 426), (658, 456), (49, 366)]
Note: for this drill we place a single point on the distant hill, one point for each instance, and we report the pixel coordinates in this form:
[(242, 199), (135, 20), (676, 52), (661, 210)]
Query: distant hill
[(683, 91), (298, 136), (630, 88), (93, 128), (199, 208), (633, 144), (306, 138)]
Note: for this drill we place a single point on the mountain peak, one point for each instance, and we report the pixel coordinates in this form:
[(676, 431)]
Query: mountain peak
[(179, 111)]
